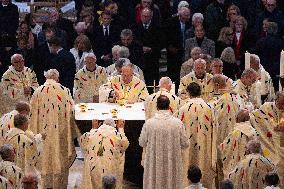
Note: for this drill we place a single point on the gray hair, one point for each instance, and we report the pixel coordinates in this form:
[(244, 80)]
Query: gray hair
[(199, 61), (123, 52), (197, 15), (183, 4), (248, 72), (15, 56), (219, 79), (6, 151), (128, 64), (51, 74), (121, 61), (90, 55), (109, 182), (110, 122), (226, 184), (254, 147), (196, 49), (115, 48), (228, 55), (126, 32), (255, 57), (165, 80)]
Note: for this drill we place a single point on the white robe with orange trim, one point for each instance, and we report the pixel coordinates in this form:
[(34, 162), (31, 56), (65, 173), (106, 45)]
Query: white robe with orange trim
[(264, 120), (151, 103), (206, 85), (104, 155), (52, 113), (6, 123), (111, 72), (233, 148), (12, 172), (13, 85), (198, 119), (135, 91), (86, 84), (250, 172)]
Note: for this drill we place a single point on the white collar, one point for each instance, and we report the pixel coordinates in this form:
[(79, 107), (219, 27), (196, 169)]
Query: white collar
[(59, 50)]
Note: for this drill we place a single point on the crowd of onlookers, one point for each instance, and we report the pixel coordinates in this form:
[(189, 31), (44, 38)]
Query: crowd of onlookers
[(256, 26)]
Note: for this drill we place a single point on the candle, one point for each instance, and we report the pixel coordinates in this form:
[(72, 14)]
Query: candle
[(247, 60), (263, 89)]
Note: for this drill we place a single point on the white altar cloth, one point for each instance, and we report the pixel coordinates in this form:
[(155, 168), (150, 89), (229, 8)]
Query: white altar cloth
[(102, 111)]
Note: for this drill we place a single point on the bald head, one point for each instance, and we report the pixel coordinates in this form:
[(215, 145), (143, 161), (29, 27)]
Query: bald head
[(23, 108), (166, 83), (242, 116), (253, 147), (249, 77), (254, 62)]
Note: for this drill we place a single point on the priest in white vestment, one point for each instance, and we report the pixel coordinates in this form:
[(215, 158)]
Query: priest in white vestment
[(199, 76), (232, 149), (164, 137), (8, 168), (104, 153), (250, 172), (266, 120), (248, 89), (187, 66), (198, 119), (150, 103), (125, 87), (88, 80), (264, 79), (18, 82), (7, 120), (52, 113)]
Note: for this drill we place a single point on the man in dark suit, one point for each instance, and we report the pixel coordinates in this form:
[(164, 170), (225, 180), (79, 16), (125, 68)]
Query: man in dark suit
[(64, 62), (105, 36), (149, 34), (175, 36)]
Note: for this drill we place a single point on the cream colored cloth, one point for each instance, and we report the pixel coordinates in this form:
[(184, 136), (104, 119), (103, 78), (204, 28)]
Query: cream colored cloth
[(27, 156), (206, 85), (52, 113), (201, 130), (250, 94), (151, 103), (232, 149), (5, 184), (264, 120), (164, 138), (12, 172), (250, 172), (6, 123), (13, 85), (266, 84), (104, 155), (135, 91), (86, 84), (79, 61)]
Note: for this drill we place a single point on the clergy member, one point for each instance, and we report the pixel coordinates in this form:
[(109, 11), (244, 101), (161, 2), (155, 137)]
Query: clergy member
[(52, 108), (125, 87), (88, 80), (199, 76), (217, 68), (165, 85), (197, 117), (248, 89), (267, 89), (163, 136), (187, 66), (226, 106), (8, 168), (232, 149), (7, 120), (250, 172), (18, 82), (26, 150), (268, 117), (106, 146)]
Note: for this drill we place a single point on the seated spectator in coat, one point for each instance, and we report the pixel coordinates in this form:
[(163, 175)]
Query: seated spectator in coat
[(194, 176), (272, 181), (197, 19), (82, 46), (148, 4), (226, 38), (207, 45)]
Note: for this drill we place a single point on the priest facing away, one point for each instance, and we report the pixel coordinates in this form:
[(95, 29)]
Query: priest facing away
[(163, 136)]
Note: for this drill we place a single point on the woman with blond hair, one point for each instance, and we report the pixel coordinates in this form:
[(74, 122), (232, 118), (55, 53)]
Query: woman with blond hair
[(230, 67), (232, 12), (82, 46), (225, 39)]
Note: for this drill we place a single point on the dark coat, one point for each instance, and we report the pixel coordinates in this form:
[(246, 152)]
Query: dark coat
[(9, 19)]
